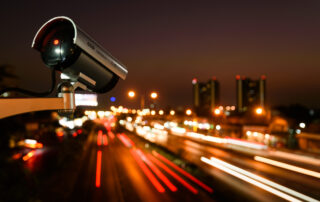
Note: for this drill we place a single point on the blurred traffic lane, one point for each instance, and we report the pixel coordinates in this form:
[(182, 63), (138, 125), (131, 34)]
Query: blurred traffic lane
[(121, 176), (193, 150)]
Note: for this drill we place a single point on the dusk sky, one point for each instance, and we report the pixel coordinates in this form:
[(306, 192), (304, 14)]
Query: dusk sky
[(164, 44)]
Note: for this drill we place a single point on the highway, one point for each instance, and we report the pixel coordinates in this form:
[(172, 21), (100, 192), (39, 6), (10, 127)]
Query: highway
[(246, 173), (147, 164), (115, 168)]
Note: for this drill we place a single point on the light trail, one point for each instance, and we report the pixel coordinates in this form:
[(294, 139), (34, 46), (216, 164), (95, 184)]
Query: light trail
[(263, 180), (98, 169), (124, 141), (249, 180), (16, 156), (231, 141), (128, 139), (147, 172), (178, 131), (245, 143), (111, 135), (173, 174), (28, 155), (201, 184), (296, 157), (288, 166), (99, 138), (162, 177), (105, 140)]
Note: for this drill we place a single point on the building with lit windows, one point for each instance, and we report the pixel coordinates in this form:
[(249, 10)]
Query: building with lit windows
[(250, 93), (205, 96)]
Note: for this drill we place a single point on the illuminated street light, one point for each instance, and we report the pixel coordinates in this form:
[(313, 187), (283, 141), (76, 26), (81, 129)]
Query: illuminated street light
[(154, 95), (131, 94), (172, 112), (218, 127), (302, 125), (188, 112), (259, 111), (153, 112), (161, 112), (217, 111)]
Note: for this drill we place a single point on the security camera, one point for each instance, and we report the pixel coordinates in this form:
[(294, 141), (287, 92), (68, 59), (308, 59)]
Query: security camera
[(68, 49)]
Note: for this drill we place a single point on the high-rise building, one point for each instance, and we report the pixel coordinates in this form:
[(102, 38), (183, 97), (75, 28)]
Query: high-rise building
[(250, 93), (205, 96)]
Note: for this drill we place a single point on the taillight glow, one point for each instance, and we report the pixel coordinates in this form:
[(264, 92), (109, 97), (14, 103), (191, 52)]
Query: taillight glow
[(16, 156), (124, 140), (28, 155), (162, 177), (98, 170), (111, 135), (105, 140), (201, 184), (99, 138), (147, 172), (128, 139), (173, 174), (56, 42)]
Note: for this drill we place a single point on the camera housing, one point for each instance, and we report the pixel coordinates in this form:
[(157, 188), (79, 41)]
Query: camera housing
[(68, 49)]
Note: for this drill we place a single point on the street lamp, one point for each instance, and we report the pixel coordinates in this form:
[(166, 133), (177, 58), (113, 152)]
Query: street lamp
[(302, 125), (259, 111), (217, 111), (188, 112), (131, 94), (172, 112), (154, 95)]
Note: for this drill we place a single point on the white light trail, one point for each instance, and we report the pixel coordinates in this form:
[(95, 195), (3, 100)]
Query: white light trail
[(288, 166), (263, 180), (249, 180)]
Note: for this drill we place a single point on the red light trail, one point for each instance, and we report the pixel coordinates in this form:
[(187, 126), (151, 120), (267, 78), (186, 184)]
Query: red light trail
[(98, 170), (201, 184)]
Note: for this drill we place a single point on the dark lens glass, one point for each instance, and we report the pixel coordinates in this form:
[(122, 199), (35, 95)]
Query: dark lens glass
[(58, 50)]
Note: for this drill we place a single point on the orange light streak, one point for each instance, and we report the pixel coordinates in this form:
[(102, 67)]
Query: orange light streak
[(28, 155), (99, 138), (105, 140), (162, 177), (147, 172), (128, 139), (16, 156), (111, 135), (173, 174), (124, 141)]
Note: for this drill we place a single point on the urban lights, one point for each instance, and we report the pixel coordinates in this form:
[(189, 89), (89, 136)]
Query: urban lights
[(217, 111), (154, 95), (259, 111), (188, 112), (172, 112), (302, 125), (131, 94)]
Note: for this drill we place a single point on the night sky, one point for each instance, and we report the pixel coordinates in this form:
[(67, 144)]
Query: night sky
[(166, 44)]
